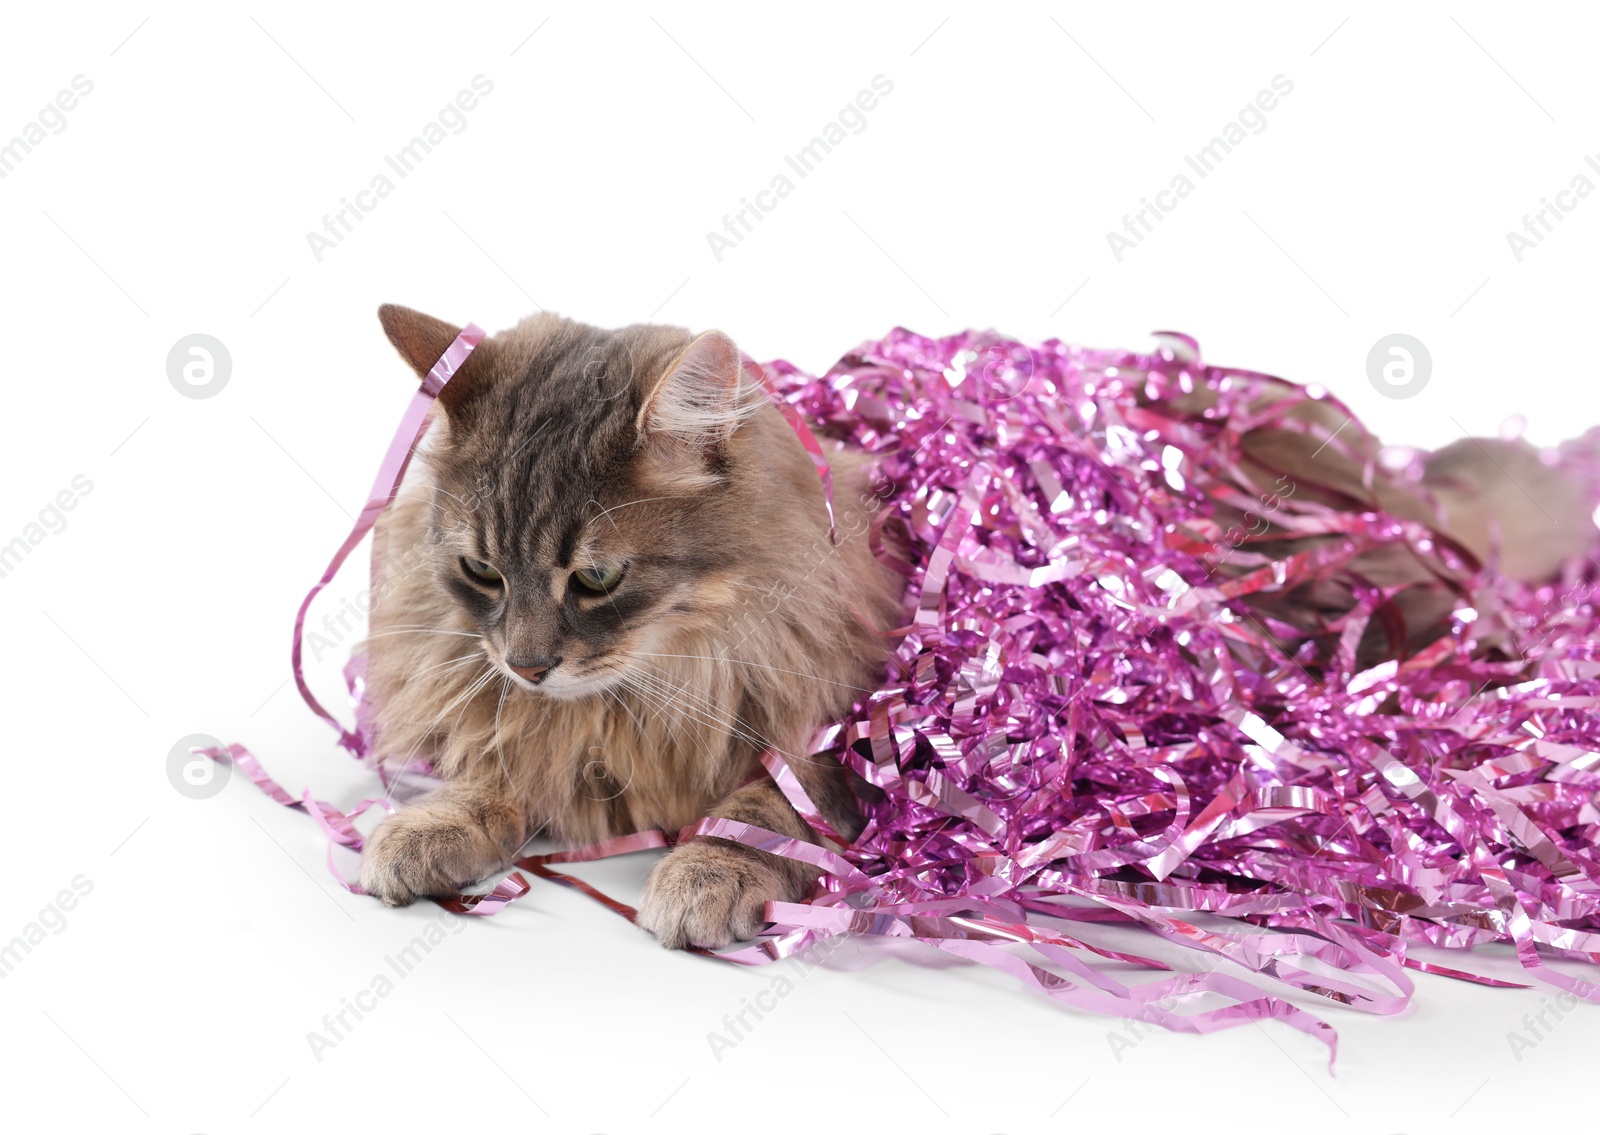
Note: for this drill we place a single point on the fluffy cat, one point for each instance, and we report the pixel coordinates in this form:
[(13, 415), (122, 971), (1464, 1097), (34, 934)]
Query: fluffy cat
[(608, 587), (1500, 502)]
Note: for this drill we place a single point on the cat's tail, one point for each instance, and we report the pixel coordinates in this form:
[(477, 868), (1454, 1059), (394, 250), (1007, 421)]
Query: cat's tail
[(1526, 511)]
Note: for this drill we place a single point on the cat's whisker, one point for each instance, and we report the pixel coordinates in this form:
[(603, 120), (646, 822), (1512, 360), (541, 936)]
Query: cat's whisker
[(465, 695), (709, 710), (746, 731), (626, 504), (419, 495), (624, 751), (702, 710), (421, 630), (652, 701), (499, 750), (684, 695), (763, 591), (606, 767), (477, 688), (671, 716), (677, 695), (790, 600), (626, 708), (688, 692), (759, 665), (396, 627), (447, 665)]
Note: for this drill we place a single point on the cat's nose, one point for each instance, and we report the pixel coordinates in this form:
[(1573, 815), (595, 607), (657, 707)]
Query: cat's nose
[(534, 672)]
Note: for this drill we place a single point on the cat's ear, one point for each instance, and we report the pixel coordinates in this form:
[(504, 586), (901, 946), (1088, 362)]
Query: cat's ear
[(419, 338), (422, 339), (702, 396)]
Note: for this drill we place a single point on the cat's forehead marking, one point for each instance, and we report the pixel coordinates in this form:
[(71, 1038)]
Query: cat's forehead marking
[(548, 446)]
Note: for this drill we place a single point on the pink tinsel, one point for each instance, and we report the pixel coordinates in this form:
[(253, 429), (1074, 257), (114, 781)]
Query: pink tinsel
[(1085, 723), (1084, 712)]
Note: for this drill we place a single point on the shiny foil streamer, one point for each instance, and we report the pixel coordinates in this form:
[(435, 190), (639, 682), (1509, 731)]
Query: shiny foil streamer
[(1084, 723)]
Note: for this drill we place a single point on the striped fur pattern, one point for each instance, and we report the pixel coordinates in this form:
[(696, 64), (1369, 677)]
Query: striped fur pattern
[(736, 625)]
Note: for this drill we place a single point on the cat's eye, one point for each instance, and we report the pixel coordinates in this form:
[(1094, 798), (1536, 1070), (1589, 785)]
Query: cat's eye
[(481, 572), (599, 579)]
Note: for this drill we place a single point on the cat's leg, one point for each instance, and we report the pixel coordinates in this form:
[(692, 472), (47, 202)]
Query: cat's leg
[(447, 840), (710, 892)]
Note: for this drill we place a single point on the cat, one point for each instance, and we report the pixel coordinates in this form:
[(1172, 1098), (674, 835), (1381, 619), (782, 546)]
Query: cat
[(1495, 501), (607, 586)]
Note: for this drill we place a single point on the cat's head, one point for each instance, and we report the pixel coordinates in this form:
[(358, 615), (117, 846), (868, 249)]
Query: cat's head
[(586, 490)]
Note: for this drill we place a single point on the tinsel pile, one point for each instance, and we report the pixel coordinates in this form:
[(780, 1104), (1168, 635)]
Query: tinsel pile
[(1093, 718), (1088, 720)]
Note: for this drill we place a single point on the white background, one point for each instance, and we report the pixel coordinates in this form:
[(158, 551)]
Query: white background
[(177, 200)]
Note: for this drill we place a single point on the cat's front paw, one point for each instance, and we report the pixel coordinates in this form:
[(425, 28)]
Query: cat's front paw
[(710, 893), (414, 854)]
